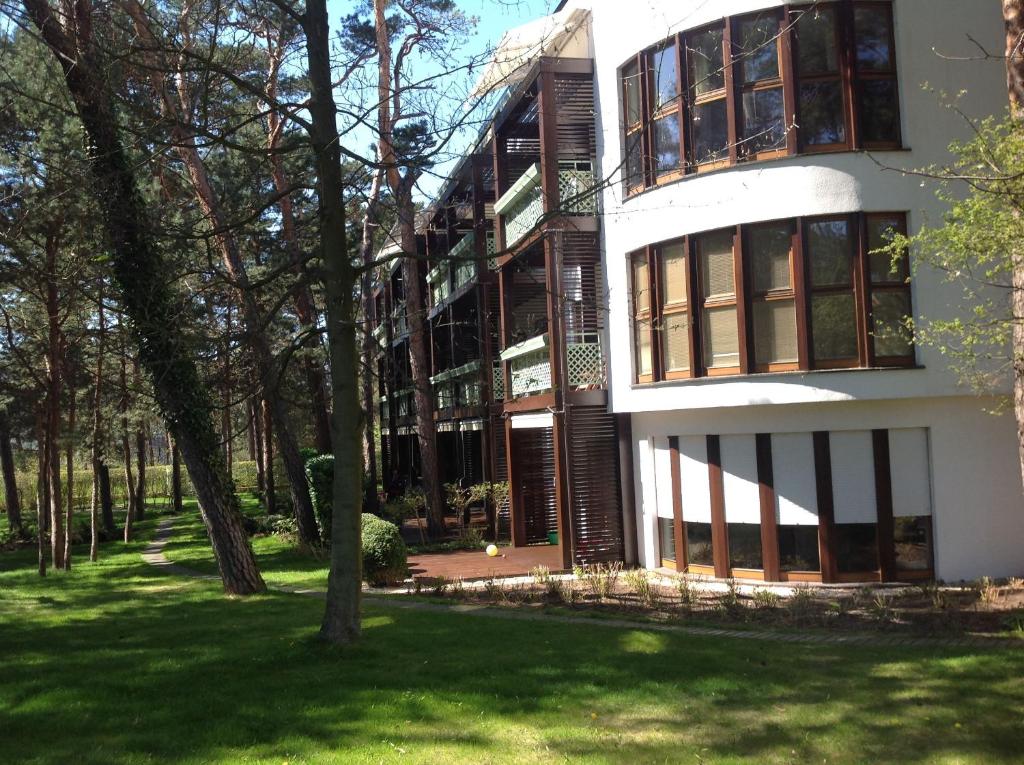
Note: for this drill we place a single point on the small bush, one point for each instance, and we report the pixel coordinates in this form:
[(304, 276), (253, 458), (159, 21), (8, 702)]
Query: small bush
[(686, 592), (640, 583), (599, 578), (801, 605), (384, 552), (766, 599), (320, 472)]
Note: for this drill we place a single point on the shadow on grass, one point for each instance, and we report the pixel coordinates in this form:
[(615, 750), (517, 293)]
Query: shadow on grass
[(118, 663)]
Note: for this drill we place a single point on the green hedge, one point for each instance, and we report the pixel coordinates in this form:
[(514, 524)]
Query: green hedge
[(320, 472), (384, 553)]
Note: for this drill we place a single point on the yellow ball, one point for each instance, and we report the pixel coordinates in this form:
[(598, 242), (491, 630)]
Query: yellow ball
[(492, 551)]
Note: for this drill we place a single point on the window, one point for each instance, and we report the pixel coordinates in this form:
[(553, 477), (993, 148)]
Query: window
[(830, 254), (912, 539), (875, 71), (674, 310), (889, 275), (667, 541), (798, 548), (856, 547), (811, 293), (821, 105), (699, 551), (709, 108), (769, 252), (718, 291), (756, 47), (761, 86), (745, 545), (642, 318)]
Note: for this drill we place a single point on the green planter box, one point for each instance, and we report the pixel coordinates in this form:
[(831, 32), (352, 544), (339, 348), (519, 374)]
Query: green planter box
[(552, 537)]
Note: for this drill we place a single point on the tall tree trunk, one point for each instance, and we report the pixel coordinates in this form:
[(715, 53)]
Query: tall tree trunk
[(305, 308), (106, 501), (344, 583), (266, 368), (140, 473), (126, 449), (369, 345), (176, 498), (1013, 15), (53, 391), (96, 457), (139, 273), (226, 427), (11, 499), (42, 494), (419, 356), (70, 461), (269, 489), (256, 427)]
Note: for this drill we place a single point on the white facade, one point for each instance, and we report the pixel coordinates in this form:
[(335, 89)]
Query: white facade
[(959, 462)]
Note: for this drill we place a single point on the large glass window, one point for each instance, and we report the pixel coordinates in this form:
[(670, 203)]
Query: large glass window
[(769, 250), (699, 551), (667, 540), (709, 112), (675, 312), (889, 274), (745, 545), (642, 323), (856, 547), (821, 108), (824, 74), (830, 247), (798, 548), (912, 539), (718, 291), (756, 46)]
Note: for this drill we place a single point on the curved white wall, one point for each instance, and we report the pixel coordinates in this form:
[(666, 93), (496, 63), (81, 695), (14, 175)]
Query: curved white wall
[(791, 187)]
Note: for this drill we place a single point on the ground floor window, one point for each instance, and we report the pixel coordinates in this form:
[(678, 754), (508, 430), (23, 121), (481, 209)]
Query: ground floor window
[(745, 545), (699, 551), (798, 548), (666, 541), (856, 547), (912, 539)]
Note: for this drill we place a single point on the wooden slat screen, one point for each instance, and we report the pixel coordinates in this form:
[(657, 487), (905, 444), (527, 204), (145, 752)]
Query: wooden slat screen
[(535, 467), (595, 486)]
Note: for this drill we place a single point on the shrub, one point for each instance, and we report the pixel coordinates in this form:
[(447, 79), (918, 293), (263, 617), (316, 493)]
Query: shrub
[(640, 583), (687, 593), (766, 599), (384, 552), (320, 472), (307, 453)]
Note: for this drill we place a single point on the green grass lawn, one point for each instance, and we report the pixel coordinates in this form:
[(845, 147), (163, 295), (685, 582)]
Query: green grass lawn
[(118, 663)]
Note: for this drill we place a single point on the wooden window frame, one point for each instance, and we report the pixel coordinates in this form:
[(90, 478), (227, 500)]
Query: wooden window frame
[(637, 315), (849, 75), (741, 87), (841, 76), (899, 286), (857, 75), (673, 107), (664, 310), (859, 358), (769, 296), (736, 301)]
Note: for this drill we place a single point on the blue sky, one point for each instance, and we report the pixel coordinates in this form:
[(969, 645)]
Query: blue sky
[(495, 17)]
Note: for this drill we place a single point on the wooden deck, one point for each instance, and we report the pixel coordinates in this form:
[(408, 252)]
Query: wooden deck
[(470, 564)]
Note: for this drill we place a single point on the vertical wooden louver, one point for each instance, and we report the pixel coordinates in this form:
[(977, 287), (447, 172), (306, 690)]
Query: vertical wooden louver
[(534, 455), (595, 494), (574, 98)]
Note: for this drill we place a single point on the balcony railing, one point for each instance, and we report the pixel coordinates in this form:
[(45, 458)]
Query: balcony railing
[(379, 334), (530, 366), (458, 387), (523, 205), (498, 382), (585, 362), (462, 260), (399, 321), (440, 284)]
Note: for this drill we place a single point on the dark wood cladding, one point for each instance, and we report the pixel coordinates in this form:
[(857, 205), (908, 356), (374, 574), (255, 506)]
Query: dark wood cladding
[(826, 505), (575, 127), (883, 498), (766, 491), (535, 510), (594, 486), (719, 528)]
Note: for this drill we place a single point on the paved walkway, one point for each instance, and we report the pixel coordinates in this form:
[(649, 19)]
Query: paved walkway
[(153, 555)]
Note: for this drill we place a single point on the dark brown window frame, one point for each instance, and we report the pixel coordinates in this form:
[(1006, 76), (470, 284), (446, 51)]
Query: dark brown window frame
[(850, 76), (861, 287)]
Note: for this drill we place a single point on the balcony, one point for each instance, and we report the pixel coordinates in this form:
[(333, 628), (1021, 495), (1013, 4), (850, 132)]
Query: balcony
[(523, 204), (462, 261), (379, 334), (440, 284), (399, 321), (459, 387), (531, 366)]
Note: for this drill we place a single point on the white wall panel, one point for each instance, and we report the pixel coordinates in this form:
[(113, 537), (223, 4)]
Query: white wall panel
[(853, 476), (525, 421), (647, 501), (911, 478), (796, 491), (739, 479), (693, 475), (663, 477)]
